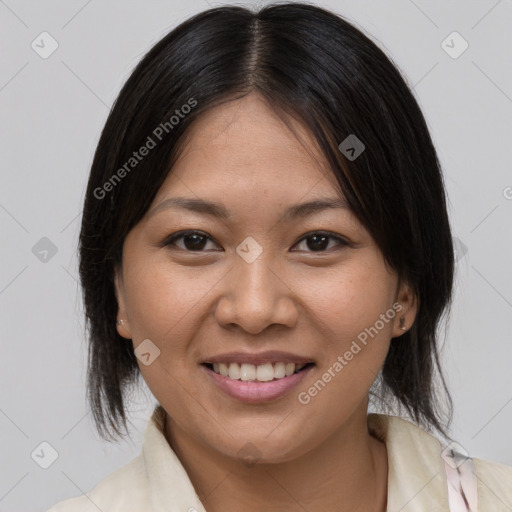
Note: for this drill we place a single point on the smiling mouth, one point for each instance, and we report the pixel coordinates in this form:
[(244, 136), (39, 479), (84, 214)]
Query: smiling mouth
[(259, 373)]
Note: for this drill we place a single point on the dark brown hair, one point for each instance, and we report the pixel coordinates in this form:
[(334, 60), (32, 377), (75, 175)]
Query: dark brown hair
[(317, 67)]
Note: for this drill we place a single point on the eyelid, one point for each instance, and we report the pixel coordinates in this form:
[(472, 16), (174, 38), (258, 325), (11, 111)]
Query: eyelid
[(342, 242), (169, 240)]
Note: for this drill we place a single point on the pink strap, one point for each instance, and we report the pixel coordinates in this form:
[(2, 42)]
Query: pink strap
[(461, 479)]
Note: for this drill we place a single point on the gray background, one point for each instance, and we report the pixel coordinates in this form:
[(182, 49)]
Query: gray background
[(52, 113)]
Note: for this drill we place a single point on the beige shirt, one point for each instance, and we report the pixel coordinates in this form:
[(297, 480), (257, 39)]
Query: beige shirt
[(155, 481)]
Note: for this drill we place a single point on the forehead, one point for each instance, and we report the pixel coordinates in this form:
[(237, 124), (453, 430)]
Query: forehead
[(245, 145)]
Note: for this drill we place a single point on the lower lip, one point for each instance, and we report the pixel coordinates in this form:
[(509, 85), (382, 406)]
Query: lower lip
[(254, 391)]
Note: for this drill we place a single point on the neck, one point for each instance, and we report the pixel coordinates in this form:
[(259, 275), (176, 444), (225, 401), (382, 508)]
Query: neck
[(347, 473)]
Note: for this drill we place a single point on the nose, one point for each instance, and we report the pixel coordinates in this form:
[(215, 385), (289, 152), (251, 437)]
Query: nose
[(256, 295)]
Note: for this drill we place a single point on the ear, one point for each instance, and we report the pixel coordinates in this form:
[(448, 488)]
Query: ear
[(123, 328), (406, 311)]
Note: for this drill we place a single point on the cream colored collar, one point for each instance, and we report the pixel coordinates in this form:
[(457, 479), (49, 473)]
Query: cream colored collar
[(416, 475)]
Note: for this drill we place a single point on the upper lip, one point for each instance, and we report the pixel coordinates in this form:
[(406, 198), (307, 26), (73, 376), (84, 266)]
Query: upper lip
[(273, 356)]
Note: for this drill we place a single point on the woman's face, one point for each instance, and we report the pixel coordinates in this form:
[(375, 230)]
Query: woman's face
[(254, 282)]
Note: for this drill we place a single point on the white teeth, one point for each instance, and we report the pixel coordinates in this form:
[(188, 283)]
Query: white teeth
[(279, 370), (234, 371), (263, 373), (247, 372)]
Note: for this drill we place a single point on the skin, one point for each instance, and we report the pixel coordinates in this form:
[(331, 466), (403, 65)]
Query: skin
[(193, 304)]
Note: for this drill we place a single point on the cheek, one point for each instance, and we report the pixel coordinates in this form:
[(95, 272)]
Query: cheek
[(163, 305), (349, 299), (161, 298), (347, 306)]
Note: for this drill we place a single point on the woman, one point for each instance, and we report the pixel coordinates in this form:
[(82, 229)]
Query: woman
[(265, 240)]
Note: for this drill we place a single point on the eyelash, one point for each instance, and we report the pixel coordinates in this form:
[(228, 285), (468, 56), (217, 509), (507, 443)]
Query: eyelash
[(169, 241)]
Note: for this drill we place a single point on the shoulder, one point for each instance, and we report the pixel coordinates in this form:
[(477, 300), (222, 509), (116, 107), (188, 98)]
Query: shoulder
[(124, 489), (494, 485), (414, 455)]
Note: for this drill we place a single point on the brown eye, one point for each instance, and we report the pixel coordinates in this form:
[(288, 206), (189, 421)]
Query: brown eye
[(319, 241), (193, 241)]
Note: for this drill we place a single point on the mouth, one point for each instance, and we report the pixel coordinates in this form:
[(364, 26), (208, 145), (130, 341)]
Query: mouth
[(260, 373), (256, 384)]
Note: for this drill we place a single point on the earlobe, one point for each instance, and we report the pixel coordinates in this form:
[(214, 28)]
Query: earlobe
[(122, 325), (407, 314), (123, 328)]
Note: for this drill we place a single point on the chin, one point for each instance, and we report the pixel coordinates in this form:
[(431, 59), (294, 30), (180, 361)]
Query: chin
[(261, 449)]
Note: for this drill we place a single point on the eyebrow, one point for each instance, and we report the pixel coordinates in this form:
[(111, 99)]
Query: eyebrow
[(218, 211)]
